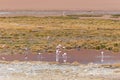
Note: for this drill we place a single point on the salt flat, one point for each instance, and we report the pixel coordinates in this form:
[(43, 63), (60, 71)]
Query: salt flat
[(54, 71)]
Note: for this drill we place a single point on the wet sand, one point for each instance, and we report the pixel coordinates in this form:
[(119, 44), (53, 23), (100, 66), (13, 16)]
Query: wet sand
[(83, 56)]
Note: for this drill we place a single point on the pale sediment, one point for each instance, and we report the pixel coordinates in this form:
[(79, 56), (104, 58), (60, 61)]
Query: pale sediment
[(48, 71)]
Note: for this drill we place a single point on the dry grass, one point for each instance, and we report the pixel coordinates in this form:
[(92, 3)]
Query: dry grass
[(44, 33)]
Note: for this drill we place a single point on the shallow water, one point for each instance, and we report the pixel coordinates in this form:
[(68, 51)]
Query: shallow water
[(66, 12), (82, 56)]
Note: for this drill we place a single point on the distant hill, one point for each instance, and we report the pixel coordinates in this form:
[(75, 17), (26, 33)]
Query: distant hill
[(60, 5)]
